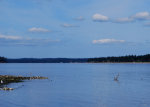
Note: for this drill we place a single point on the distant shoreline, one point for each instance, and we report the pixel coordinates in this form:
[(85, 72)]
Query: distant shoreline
[(119, 62), (82, 63), (111, 59)]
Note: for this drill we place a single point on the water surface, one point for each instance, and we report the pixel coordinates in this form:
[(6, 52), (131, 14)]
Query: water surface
[(78, 85)]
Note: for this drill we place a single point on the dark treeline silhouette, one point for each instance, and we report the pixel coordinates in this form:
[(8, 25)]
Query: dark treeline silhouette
[(48, 60), (129, 58), (2, 59)]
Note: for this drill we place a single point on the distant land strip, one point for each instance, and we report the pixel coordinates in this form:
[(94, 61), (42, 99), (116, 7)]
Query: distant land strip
[(112, 59)]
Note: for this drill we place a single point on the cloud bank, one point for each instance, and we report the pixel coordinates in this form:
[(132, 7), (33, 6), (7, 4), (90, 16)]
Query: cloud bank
[(141, 16), (38, 30), (10, 37), (24, 41), (107, 41)]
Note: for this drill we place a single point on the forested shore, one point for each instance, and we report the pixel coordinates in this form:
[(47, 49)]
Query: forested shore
[(3, 59), (128, 58), (113, 59)]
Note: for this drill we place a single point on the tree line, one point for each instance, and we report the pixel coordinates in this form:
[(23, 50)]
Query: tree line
[(48, 60), (128, 58), (3, 60)]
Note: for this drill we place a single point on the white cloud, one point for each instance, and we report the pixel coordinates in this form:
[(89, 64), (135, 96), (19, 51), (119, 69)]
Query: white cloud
[(124, 20), (10, 37), (142, 16), (68, 25), (100, 18), (25, 41), (80, 18), (137, 17), (34, 29), (105, 41)]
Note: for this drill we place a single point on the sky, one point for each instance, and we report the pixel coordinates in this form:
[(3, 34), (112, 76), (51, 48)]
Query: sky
[(74, 28)]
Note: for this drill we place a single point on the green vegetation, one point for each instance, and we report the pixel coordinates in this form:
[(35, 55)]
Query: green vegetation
[(129, 58)]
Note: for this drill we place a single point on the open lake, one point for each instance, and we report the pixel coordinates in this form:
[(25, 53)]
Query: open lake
[(78, 85)]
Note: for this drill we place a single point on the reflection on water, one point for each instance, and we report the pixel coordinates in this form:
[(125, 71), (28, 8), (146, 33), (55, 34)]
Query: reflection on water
[(78, 85)]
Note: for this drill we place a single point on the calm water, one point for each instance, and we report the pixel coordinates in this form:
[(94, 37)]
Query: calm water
[(78, 85)]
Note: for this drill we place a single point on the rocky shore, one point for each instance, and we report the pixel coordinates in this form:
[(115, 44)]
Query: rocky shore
[(6, 79)]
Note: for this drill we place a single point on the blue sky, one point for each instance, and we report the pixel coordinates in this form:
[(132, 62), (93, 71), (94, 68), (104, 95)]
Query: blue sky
[(74, 28)]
